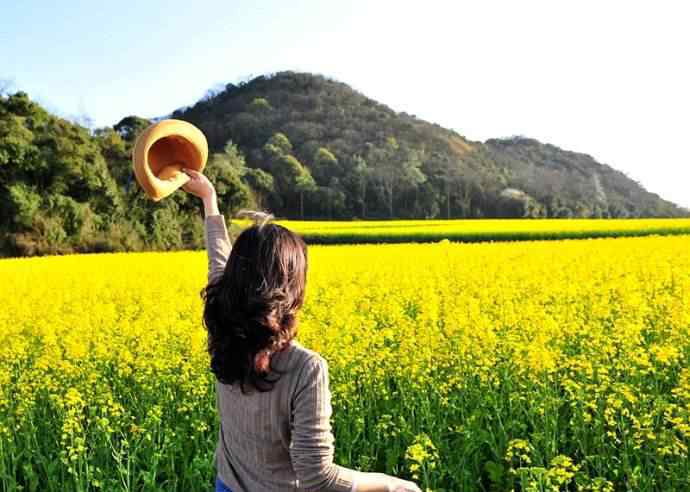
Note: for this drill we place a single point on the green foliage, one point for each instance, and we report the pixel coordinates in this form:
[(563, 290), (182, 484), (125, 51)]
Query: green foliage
[(65, 190), (414, 169), (569, 184), (325, 165), (281, 143), (305, 182), (260, 104), (130, 127), (25, 202), (260, 180), (74, 216), (261, 183), (325, 157), (320, 150), (166, 231)]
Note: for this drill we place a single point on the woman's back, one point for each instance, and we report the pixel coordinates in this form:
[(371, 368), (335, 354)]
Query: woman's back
[(281, 440)]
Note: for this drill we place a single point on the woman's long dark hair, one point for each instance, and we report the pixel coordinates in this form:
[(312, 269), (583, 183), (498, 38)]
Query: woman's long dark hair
[(250, 311)]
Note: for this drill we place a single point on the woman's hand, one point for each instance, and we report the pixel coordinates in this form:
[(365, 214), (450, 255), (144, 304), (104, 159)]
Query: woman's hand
[(370, 481), (198, 184), (400, 485)]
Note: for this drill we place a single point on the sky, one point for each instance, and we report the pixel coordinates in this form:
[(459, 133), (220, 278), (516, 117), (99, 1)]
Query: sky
[(610, 79)]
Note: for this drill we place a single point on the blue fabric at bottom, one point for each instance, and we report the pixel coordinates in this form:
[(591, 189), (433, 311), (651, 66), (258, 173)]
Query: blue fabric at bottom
[(221, 487)]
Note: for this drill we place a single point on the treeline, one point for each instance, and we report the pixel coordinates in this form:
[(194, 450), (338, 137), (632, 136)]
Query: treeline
[(300, 145), (64, 189)]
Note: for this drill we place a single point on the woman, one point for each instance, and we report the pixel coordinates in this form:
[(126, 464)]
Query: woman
[(273, 394)]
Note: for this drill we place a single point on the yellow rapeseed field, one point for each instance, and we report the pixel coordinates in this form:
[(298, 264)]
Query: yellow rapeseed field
[(473, 230), (535, 366)]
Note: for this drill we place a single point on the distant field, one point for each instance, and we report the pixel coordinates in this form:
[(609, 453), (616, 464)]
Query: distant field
[(473, 230)]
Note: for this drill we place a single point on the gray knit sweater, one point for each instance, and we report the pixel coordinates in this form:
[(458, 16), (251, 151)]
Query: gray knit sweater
[(279, 440)]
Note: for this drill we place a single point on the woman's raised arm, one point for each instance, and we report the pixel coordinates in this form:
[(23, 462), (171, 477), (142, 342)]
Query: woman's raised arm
[(217, 245), (216, 238)]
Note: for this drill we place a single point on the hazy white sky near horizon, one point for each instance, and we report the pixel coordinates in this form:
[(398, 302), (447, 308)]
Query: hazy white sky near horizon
[(610, 79)]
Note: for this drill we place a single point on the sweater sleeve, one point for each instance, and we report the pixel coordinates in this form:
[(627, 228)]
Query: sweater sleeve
[(217, 245), (312, 447)]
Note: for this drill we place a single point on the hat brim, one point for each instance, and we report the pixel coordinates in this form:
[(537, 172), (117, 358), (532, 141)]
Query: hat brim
[(162, 150)]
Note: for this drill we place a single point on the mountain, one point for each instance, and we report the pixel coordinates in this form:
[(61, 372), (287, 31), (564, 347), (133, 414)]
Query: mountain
[(298, 144), (390, 164)]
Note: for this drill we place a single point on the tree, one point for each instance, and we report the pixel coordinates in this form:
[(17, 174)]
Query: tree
[(260, 104), (449, 172), (291, 177), (234, 157), (385, 170), (397, 166), (130, 127), (362, 173), (280, 142), (304, 183), (117, 153), (262, 184), (226, 169), (325, 165)]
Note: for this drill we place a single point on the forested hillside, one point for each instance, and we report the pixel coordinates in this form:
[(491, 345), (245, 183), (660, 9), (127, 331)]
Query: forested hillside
[(368, 161), (297, 144)]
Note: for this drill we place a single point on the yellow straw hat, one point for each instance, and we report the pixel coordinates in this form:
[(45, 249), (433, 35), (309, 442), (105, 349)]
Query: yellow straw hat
[(162, 150)]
